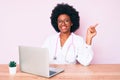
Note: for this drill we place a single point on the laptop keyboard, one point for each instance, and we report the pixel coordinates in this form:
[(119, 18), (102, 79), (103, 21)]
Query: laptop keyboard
[(52, 72)]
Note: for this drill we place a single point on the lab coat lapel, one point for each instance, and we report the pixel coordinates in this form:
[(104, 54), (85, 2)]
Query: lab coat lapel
[(66, 45)]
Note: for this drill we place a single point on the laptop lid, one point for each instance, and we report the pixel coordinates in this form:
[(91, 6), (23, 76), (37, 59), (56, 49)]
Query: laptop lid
[(35, 60)]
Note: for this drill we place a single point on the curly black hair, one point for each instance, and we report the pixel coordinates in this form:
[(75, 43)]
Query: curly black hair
[(65, 9)]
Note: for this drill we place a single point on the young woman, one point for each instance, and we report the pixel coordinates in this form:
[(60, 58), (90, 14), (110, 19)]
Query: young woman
[(65, 47)]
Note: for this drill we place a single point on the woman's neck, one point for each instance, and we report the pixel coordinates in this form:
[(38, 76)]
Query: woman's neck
[(63, 38), (64, 35)]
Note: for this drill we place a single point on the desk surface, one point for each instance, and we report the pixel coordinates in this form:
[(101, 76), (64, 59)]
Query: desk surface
[(72, 72)]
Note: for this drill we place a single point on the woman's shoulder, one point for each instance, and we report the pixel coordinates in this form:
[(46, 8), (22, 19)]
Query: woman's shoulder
[(78, 37), (50, 40), (78, 40)]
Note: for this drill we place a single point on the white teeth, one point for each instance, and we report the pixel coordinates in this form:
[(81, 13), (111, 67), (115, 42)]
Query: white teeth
[(63, 27)]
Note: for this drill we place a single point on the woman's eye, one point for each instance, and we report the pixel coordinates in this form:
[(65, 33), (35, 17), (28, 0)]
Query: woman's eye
[(59, 21), (63, 21), (66, 20)]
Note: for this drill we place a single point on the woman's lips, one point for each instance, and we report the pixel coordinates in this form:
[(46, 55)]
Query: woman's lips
[(63, 27)]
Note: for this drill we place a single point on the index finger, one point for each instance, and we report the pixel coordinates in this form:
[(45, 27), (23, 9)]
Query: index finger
[(96, 25)]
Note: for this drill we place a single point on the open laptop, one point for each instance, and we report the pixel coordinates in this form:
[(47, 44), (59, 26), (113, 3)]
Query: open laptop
[(35, 60)]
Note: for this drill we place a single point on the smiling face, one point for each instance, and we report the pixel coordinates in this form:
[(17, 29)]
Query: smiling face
[(64, 23)]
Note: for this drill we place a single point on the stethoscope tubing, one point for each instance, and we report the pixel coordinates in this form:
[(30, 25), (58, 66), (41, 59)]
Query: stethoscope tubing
[(71, 44)]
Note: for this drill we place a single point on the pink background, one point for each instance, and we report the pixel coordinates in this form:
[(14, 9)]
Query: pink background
[(27, 22)]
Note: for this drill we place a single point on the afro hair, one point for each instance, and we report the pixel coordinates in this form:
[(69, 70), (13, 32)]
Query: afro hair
[(68, 10)]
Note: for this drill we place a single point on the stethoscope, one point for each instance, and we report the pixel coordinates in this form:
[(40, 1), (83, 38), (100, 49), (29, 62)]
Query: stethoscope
[(71, 44)]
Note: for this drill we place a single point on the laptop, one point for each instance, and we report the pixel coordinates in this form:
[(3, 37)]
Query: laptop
[(35, 60)]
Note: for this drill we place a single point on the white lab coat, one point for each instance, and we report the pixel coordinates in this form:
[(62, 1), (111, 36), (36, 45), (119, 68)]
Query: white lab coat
[(75, 49)]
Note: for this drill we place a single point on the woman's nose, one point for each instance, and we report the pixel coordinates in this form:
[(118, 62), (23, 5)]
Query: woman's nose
[(63, 22)]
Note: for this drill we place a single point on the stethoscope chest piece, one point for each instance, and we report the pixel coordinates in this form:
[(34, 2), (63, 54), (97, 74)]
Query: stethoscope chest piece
[(54, 58)]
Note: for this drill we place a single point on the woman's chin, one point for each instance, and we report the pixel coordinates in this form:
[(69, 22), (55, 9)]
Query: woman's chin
[(65, 32)]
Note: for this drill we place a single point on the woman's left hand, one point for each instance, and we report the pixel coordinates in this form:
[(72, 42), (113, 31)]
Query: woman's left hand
[(91, 32)]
